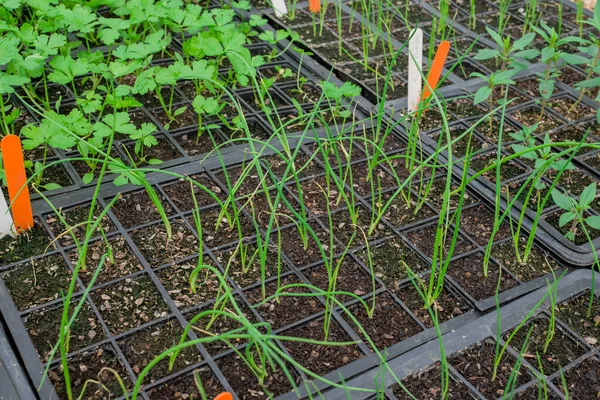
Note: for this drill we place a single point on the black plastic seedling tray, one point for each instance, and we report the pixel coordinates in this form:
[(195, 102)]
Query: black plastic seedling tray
[(407, 354), (20, 318), (346, 67), (484, 330), (552, 239), (177, 142)]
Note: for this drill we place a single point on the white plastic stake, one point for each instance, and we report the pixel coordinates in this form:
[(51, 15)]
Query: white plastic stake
[(415, 58), (280, 8), (6, 221)]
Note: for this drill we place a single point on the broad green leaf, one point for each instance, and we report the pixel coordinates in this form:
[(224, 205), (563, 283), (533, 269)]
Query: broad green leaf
[(590, 83), (574, 59), (546, 88), (588, 195), (593, 221), (566, 218), (486, 54), (51, 186), (562, 200), (524, 41), (87, 178), (482, 94)]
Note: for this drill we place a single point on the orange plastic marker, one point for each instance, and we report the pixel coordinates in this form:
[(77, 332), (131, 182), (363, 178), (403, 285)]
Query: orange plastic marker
[(436, 69), (314, 6), (12, 156), (224, 396)]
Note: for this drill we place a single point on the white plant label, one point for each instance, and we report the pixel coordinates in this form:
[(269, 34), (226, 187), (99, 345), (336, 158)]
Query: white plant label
[(6, 221), (415, 59), (280, 8)]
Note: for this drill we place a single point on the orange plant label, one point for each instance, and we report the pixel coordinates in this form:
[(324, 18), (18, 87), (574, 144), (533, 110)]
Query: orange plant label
[(314, 6), (224, 396), (436, 69), (12, 156)]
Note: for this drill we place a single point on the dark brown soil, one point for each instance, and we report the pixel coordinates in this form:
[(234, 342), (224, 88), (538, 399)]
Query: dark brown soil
[(574, 133), (574, 313), (37, 282), (180, 192), (317, 192), (29, 244), (464, 108), (264, 206), (338, 153), (536, 392), (447, 305), (352, 234), (573, 180), (43, 327), (508, 169), (137, 209), (121, 260), (561, 350), (74, 217), (245, 383), (494, 133), (92, 365), (129, 303), (389, 324), (389, 143), (163, 151), (468, 272), (176, 280), (220, 325), (583, 381), (396, 87), (228, 232), (272, 100), (465, 69), (374, 69), (367, 180), (562, 105), (251, 181), (531, 115), (285, 309), (351, 278), (388, 258), (157, 249), (205, 143), (144, 346), (187, 118), (321, 359), (529, 86), (292, 246), (54, 174), (479, 222), (302, 164), (468, 142), (424, 240), (305, 94), (242, 263), (331, 52), (477, 365), (436, 192), (427, 385), (431, 118), (538, 263), (184, 388), (307, 33)]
